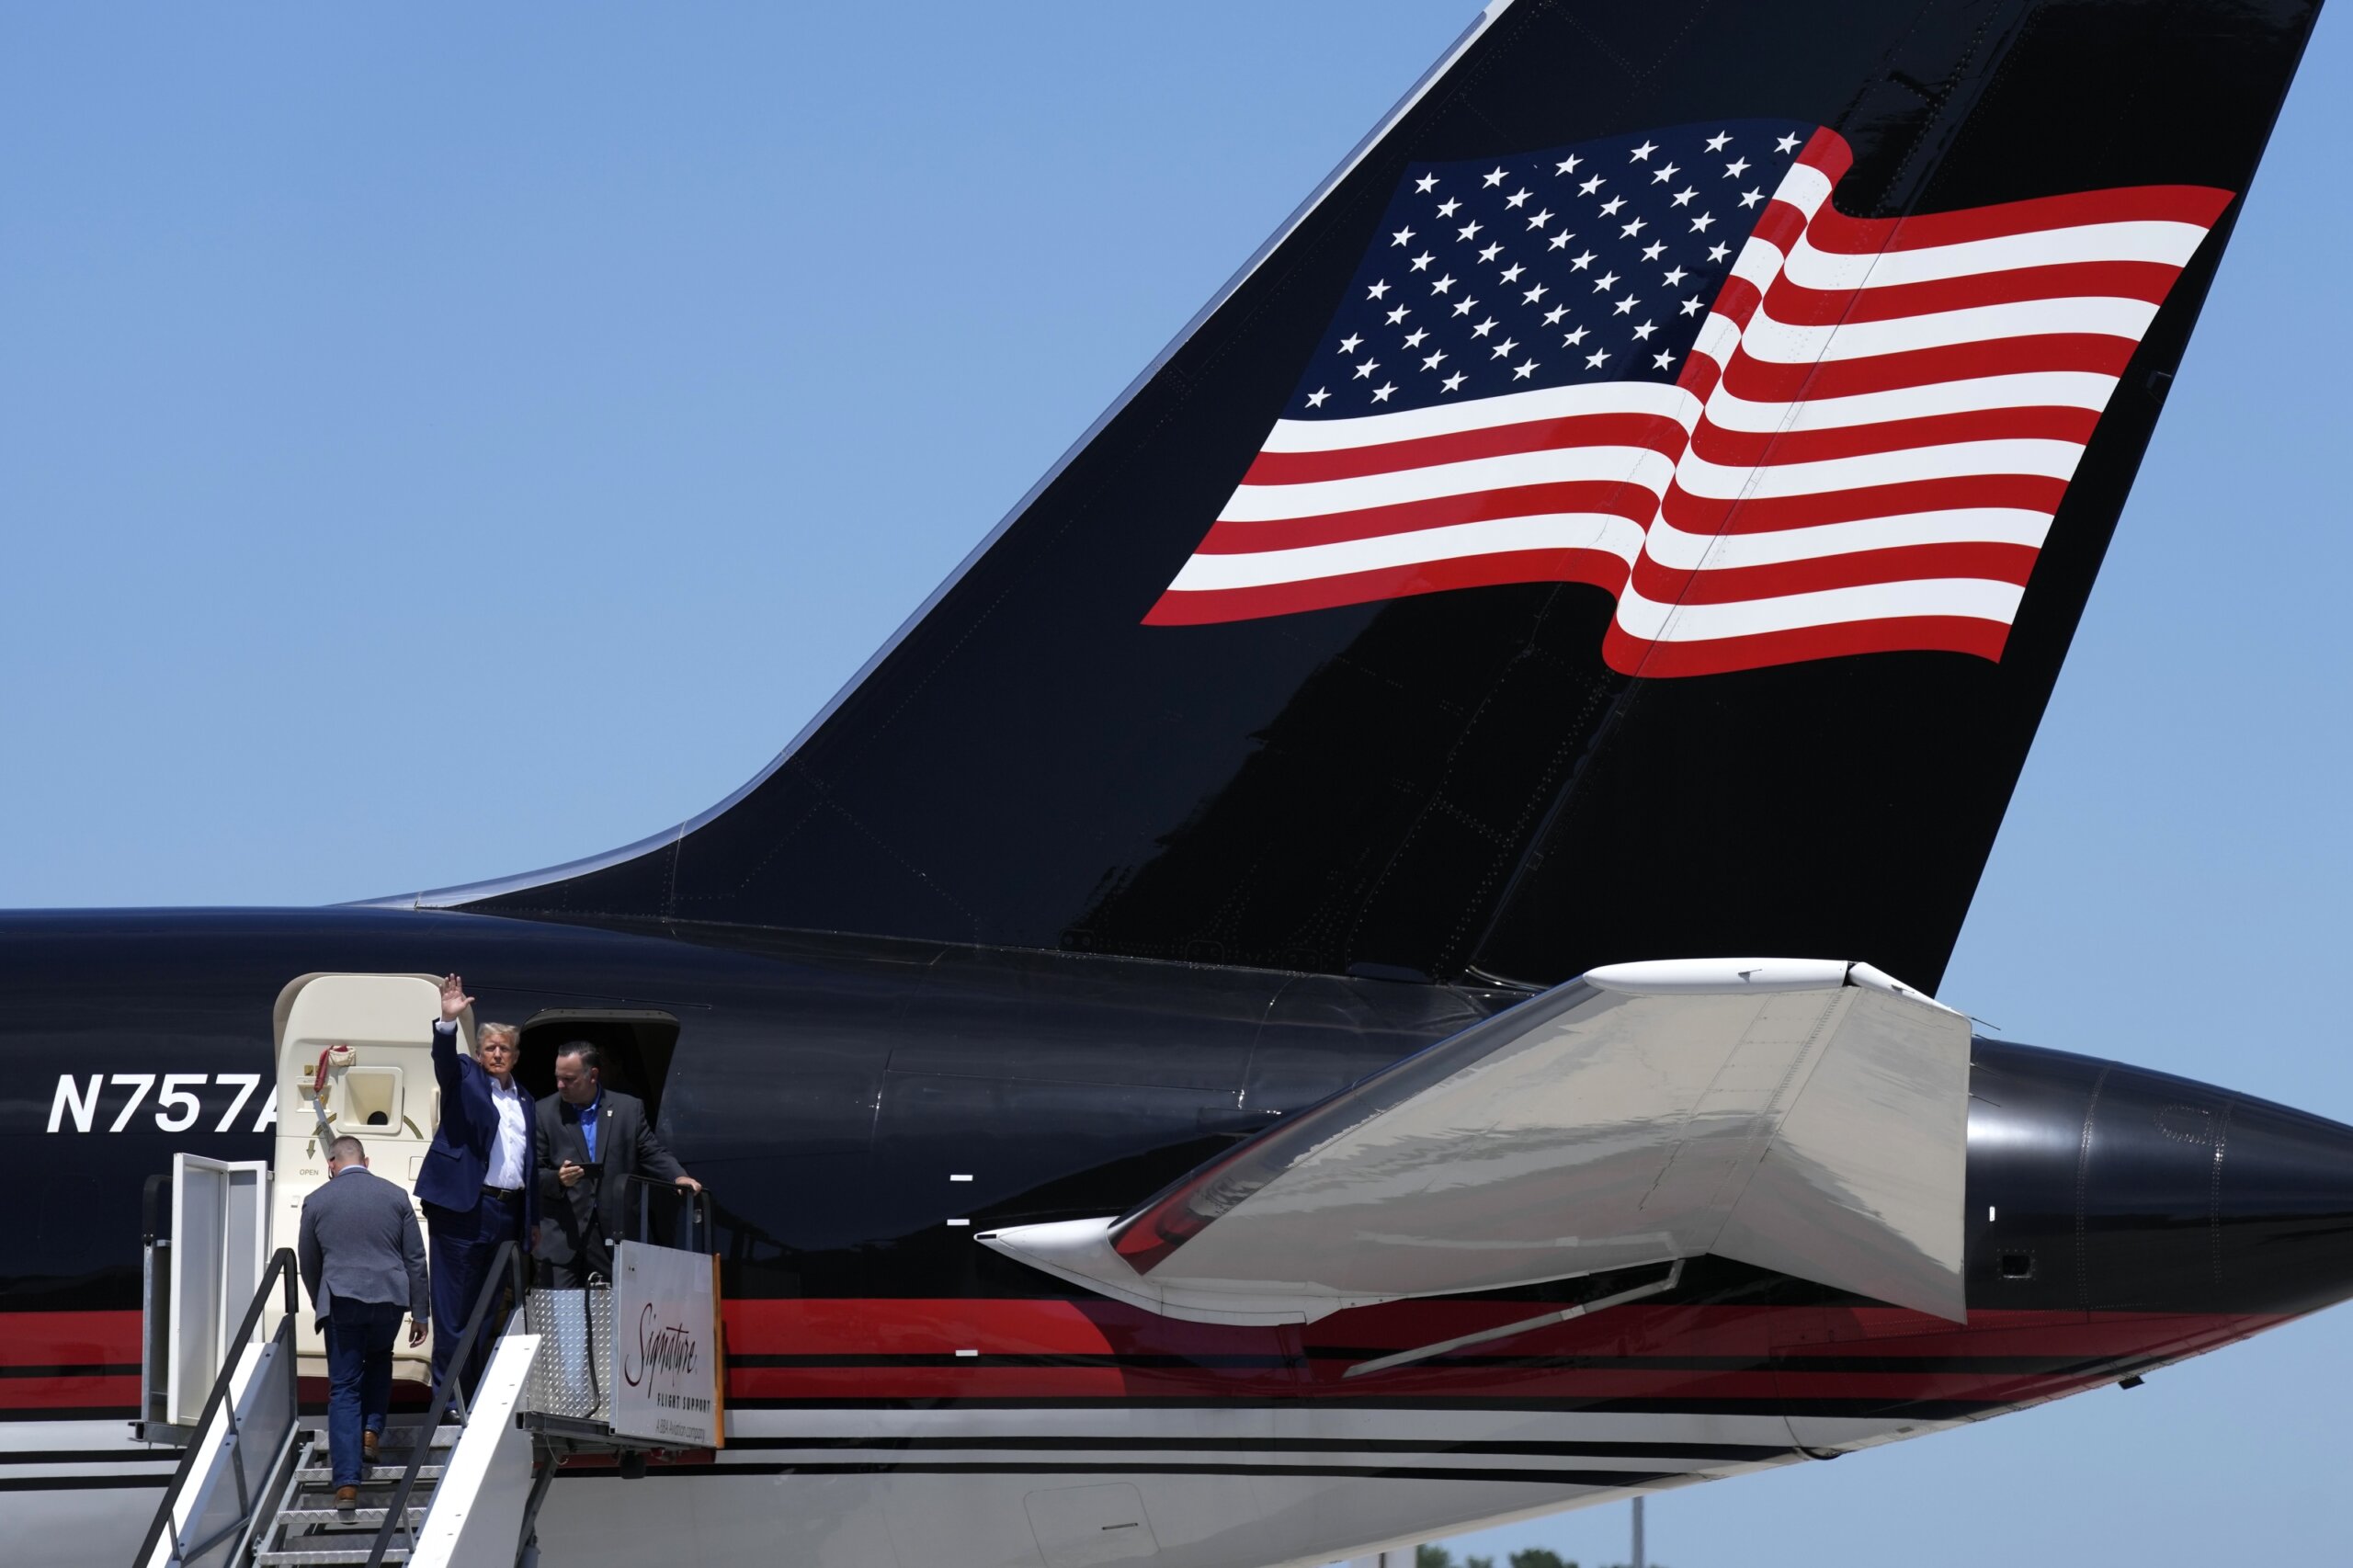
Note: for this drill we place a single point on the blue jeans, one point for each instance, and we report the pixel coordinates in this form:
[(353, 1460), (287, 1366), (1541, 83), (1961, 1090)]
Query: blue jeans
[(361, 1335), (462, 1242)]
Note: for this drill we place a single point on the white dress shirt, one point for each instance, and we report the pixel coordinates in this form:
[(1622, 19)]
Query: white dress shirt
[(510, 1156)]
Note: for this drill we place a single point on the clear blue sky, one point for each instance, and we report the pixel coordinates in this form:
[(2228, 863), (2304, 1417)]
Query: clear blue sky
[(438, 441)]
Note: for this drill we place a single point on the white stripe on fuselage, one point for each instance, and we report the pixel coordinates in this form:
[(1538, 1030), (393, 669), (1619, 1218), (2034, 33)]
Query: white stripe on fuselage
[(1224, 1507)]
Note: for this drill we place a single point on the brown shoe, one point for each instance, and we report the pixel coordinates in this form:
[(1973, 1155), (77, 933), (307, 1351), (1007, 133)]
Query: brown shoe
[(368, 1447), (345, 1498)]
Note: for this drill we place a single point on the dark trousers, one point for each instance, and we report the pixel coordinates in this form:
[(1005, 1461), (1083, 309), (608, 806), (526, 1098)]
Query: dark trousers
[(463, 1243), (591, 1258), (361, 1335)]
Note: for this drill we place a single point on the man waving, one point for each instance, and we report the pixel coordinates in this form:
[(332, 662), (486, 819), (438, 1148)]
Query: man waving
[(477, 1181)]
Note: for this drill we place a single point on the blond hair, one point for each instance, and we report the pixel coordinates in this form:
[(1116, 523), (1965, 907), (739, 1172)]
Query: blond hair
[(508, 1032)]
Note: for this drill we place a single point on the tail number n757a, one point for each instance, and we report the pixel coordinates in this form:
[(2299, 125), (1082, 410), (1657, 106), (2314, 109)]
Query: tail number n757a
[(175, 1106)]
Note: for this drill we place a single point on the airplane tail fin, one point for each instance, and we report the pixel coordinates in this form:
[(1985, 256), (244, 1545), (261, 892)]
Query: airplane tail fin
[(1636, 508)]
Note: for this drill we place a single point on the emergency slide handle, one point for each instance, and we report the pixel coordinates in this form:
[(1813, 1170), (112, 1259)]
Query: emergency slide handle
[(333, 1056)]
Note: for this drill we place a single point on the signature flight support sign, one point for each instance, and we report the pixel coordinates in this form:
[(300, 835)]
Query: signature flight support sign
[(667, 1371)]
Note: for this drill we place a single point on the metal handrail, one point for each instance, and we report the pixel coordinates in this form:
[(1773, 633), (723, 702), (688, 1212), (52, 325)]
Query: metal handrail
[(505, 1270), (698, 1208), (281, 1269)]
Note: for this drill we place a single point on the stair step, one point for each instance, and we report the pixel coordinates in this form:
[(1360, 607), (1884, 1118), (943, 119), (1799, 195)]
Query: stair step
[(401, 1440), (324, 1475), (293, 1557), (399, 1434), (347, 1516), (405, 1437)]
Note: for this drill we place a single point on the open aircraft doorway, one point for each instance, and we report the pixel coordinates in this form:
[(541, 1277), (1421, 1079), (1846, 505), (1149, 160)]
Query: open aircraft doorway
[(637, 1045)]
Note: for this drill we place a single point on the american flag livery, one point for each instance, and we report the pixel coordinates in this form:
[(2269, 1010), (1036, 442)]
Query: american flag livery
[(1774, 432)]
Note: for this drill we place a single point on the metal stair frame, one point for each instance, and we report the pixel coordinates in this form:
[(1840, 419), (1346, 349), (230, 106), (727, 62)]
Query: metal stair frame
[(255, 1405), (505, 1273), (249, 1490), (307, 1527)]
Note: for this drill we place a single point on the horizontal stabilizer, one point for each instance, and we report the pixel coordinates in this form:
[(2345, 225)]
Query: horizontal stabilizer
[(1805, 1116)]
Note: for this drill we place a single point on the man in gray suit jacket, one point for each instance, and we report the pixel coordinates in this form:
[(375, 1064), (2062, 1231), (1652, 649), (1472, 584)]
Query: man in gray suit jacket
[(363, 1261)]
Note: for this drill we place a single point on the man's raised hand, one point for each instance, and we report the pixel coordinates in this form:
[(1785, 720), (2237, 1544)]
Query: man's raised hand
[(454, 1000)]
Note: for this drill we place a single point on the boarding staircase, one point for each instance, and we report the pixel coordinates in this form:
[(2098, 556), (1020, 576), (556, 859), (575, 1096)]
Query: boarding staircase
[(305, 1526), (255, 1488)]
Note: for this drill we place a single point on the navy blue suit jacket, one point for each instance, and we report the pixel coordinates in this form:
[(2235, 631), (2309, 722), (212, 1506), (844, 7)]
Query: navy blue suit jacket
[(454, 1168)]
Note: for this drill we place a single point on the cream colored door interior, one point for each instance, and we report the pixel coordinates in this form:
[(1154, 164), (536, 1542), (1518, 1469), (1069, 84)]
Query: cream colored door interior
[(364, 1043)]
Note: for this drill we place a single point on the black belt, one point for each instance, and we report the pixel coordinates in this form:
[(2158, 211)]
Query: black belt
[(504, 1193)]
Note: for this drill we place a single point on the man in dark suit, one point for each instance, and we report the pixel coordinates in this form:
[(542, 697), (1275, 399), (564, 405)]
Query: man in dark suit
[(592, 1140), (476, 1181), (364, 1264)]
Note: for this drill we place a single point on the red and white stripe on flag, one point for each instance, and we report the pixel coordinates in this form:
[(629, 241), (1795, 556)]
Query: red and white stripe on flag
[(1863, 452)]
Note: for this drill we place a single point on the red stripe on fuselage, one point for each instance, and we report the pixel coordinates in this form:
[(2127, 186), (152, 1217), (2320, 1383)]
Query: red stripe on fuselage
[(1753, 1357), (908, 1349), (68, 1339)]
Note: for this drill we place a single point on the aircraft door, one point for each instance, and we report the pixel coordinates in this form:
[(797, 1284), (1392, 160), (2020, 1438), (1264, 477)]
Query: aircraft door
[(220, 1230), (355, 1055)]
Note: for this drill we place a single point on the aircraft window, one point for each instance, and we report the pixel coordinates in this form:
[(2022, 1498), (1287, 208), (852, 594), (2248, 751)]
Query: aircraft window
[(371, 1097), (2016, 1265)]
